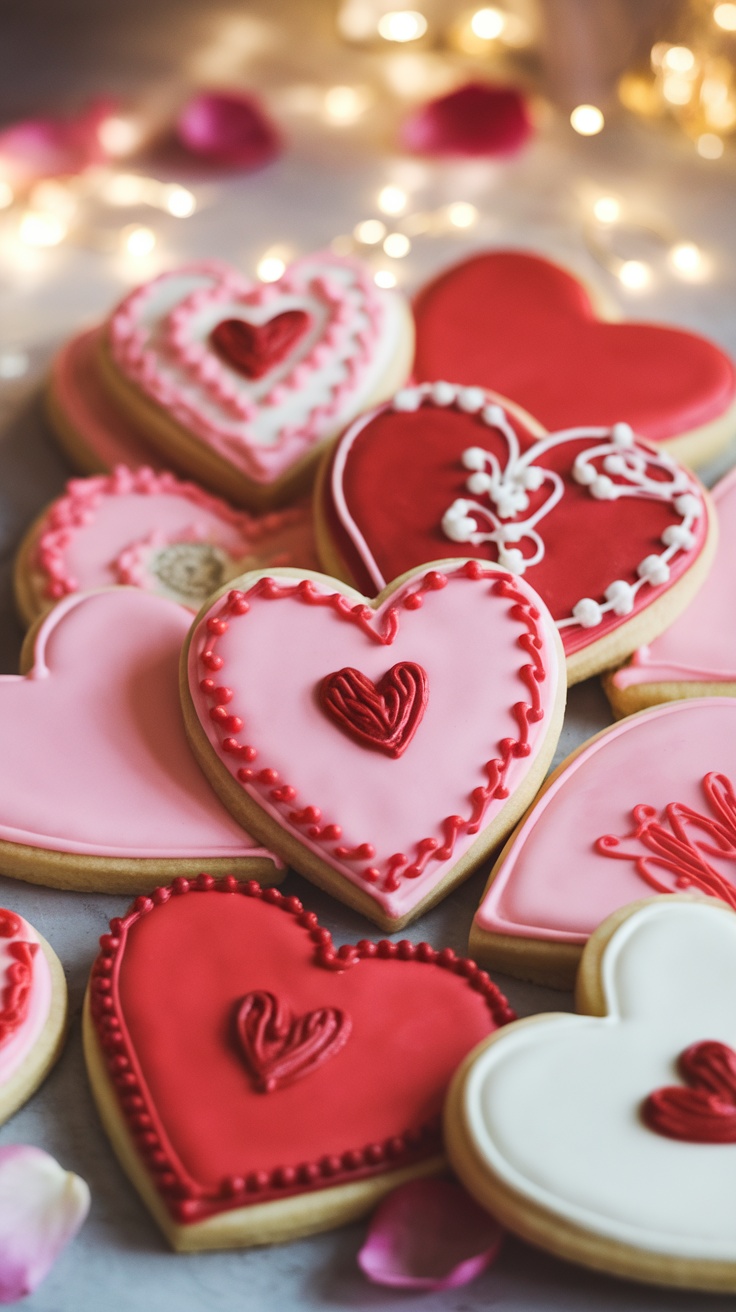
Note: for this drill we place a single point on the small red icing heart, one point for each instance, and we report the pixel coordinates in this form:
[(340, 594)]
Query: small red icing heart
[(279, 1047), (254, 348), (706, 1111), (382, 715)]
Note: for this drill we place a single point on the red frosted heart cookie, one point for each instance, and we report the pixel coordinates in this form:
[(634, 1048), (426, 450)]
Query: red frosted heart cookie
[(384, 748), (615, 536), (526, 328), (322, 1071)]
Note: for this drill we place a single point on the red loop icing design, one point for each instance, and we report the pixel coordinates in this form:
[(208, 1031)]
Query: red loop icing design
[(162, 992), (252, 348), (383, 715), (705, 1112), (17, 987)]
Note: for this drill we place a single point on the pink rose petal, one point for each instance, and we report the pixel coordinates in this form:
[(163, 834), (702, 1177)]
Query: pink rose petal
[(228, 128), (42, 1207), (477, 119), (52, 147), (429, 1234)]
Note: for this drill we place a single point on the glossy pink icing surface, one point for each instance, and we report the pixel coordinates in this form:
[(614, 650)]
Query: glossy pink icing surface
[(468, 640), (700, 647), (94, 755), (553, 884), (17, 1045)]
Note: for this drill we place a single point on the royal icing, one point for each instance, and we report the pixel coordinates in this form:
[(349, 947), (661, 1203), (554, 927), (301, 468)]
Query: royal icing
[(95, 758), (392, 823), (523, 326), (700, 647), (647, 807), (458, 472), (703, 1109), (555, 1108), (150, 530), (167, 337), (25, 992), (384, 1024)]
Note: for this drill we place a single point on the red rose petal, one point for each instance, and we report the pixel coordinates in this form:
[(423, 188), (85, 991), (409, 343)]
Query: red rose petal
[(228, 128), (477, 119)]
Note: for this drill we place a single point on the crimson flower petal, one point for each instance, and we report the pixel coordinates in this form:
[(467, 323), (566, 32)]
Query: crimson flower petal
[(229, 128), (477, 119)]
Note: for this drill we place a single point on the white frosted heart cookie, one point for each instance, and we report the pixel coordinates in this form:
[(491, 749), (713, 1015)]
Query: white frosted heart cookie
[(609, 1137), (33, 1007)]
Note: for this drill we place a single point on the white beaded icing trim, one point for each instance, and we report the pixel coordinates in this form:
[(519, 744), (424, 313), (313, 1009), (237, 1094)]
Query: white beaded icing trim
[(506, 489)]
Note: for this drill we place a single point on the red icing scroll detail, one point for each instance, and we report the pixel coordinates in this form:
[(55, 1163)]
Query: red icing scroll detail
[(383, 715), (185, 1124), (705, 1112), (531, 674), (253, 348), (278, 1047), (672, 847), (18, 981), (10, 924)]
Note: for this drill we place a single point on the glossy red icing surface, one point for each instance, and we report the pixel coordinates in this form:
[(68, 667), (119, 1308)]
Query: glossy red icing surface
[(705, 1110)]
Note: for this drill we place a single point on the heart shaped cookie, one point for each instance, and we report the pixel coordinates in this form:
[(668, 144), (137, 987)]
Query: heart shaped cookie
[(553, 1124), (695, 656), (99, 789), (614, 536), (322, 1071), (152, 531), (645, 807), (526, 328), (240, 383), (288, 682), (33, 1007)]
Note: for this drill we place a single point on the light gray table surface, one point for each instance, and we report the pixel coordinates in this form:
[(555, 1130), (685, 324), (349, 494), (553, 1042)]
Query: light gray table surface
[(55, 54)]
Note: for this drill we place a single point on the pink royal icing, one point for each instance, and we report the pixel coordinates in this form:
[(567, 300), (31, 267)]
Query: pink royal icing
[(25, 992)]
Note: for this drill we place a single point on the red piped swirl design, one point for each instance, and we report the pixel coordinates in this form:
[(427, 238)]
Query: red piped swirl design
[(705, 1112), (382, 715), (253, 348), (18, 981), (280, 1048)]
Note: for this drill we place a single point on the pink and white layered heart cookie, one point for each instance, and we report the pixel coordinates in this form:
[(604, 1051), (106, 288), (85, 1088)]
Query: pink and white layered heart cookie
[(615, 536), (98, 788), (609, 1138), (240, 383), (33, 1008), (382, 747), (142, 529), (648, 806), (695, 656)]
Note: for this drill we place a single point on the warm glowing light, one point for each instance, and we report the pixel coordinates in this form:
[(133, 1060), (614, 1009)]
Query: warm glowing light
[(402, 25), (7, 195), (125, 189), (357, 20), (679, 58), (725, 17), (179, 201), (138, 241), (721, 116), (344, 104), (488, 23), (461, 214), (392, 200), (118, 136), (384, 278), (587, 120), (686, 258), (634, 274), (37, 228), (54, 198), (270, 268), (607, 209), (677, 89), (13, 364), (397, 245), (369, 232), (709, 146)]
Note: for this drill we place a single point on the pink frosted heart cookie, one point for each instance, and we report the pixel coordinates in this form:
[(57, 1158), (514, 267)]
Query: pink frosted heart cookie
[(384, 748), (648, 806), (99, 789), (151, 531), (241, 384), (615, 536), (33, 1007), (608, 1137)]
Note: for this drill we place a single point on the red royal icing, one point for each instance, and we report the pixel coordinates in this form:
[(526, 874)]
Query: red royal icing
[(16, 989), (527, 328), (279, 1047), (170, 977), (704, 1112), (252, 348), (382, 715)]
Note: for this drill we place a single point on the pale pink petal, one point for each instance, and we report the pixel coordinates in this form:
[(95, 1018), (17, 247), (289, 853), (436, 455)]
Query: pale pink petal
[(429, 1234), (229, 128), (51, 147), (477, 119), (42, 1207)]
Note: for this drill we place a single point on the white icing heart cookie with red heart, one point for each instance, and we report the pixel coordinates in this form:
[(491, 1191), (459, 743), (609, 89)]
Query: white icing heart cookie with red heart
[(526, 328), (609, 1137), (615, 536), (383, 747), (240, 383), (648, 806), (147, 530), (322, 1071), (33, 1010), (99, 789)]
